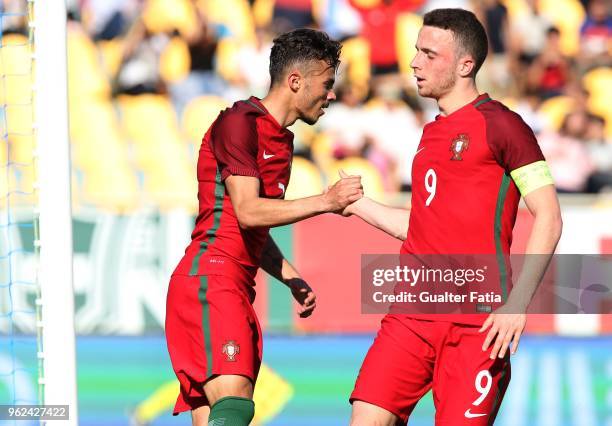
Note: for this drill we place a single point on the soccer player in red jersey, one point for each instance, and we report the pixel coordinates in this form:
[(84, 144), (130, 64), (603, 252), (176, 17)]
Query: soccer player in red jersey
[(212, 332), (473, 164)]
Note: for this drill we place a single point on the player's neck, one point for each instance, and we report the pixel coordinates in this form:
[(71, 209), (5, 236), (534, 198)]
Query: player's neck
[(457, 98), (276, 104)]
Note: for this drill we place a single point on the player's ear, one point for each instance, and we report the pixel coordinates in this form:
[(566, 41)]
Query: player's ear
[(465, 66), (294, 80)]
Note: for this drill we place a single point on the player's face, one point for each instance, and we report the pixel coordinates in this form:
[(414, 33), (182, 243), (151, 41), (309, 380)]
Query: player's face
[(435, 62), (317, 91)]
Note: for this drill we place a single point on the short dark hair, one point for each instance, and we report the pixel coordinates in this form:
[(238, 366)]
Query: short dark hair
[(468, 32), (302, 45)]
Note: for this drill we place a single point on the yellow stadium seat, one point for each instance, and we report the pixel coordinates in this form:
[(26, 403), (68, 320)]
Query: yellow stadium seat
[(175, 61), (227, 58), (111, 52), (199, 114), (233, 14), (164, 16), (172, 185), (15, 52), (568, 16), (148, 118), (356, 57), (305, 179), (598, 81), (21, 149), (371, 179), (19, 119), (555, 109), (85, 75), (322, 150), (406, 33), (263, 11), (516, 8), (115, 190)]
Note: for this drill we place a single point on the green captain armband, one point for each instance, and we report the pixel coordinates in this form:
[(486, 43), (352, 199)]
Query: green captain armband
[(531, 177)]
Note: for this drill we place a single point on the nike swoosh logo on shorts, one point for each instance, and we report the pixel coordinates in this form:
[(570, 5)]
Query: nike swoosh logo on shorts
[(471, 416), (266, 156)]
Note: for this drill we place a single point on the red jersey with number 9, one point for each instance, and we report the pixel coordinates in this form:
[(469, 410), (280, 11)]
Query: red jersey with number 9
[(463, 198)]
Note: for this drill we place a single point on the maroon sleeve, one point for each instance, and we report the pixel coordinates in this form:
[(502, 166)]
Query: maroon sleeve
[(234, 144), (511, 140)]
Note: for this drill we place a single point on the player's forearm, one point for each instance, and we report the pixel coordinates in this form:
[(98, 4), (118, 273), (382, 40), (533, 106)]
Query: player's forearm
[(275, 264), (392, 220), (265, 212), (541, 245)]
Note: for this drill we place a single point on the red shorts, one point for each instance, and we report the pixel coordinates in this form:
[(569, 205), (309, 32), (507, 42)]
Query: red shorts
[(211, 329), (410, 356)]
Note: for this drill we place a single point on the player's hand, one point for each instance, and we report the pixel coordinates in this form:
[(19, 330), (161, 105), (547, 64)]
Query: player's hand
[(344, 192), (303, 294), (504, 329)]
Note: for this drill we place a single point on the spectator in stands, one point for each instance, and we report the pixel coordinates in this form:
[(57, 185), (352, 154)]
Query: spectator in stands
[(339, 19), (344, 122), (202, 78), (394, 133), (550, 71), (494, 17), (379, 28), (139, 69), (253, 61), (108, 19), (292, 14), (567, 155), (14, 17), (596, 36), (600, 150)]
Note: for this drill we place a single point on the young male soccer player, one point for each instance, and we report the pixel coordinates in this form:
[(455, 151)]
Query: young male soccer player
[(213, 335), (471, 167)]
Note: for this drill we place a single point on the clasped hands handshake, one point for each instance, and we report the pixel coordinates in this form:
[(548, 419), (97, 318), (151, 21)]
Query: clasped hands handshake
[(341, 195)]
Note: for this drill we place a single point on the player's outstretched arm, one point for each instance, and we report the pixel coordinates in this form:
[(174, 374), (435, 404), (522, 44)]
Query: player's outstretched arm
[(253, 211), (275, 264), (392, 220)]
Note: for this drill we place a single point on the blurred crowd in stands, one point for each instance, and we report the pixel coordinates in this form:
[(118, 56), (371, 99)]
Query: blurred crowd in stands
[(549, 60)]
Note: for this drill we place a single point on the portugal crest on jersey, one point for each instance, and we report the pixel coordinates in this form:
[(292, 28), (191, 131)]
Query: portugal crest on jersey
[(458, 145), (231, 349)]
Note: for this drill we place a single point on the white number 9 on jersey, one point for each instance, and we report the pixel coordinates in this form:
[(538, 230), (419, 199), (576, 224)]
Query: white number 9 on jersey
[(431, 181)]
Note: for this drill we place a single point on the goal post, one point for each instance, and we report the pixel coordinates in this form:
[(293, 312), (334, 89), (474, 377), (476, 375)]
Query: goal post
[(54, 195)]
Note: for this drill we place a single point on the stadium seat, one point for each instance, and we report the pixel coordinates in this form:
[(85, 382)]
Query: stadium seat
[(172, 186), (137, 113), (322, 150), (115, 191), (164, 16), (371, 179), (227, 58), (355, 56), (305, 179), (199, 115), (263, 11), (15, 70), (555, 109), (568, 16), (175, 61), (111, 52), (234, 15), (406, 33), (85, 76)]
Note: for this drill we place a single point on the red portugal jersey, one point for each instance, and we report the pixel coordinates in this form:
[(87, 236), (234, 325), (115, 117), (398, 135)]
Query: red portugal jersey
[(463, 198), (244, 140)]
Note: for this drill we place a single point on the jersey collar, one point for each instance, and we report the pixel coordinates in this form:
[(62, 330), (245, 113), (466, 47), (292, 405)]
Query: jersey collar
[(480, 99)]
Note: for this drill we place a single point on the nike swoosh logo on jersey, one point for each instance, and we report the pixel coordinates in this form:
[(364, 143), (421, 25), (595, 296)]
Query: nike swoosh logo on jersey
[(469, 415), (419, 150), (266, 156)]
